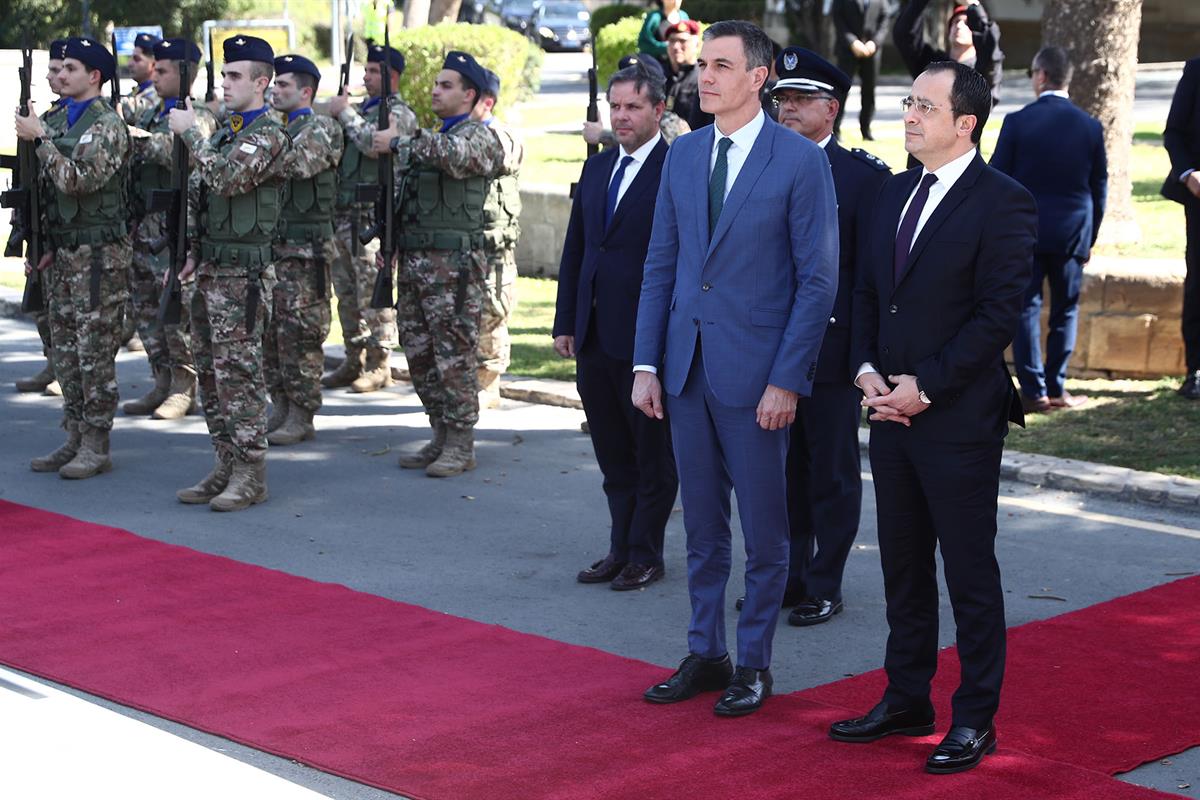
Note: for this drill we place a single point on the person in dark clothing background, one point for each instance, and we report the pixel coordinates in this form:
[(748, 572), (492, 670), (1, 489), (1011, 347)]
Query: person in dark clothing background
[(862, 28), (972, 38), (1182, 140)]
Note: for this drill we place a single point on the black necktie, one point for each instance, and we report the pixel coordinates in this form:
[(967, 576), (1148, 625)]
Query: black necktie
[(908, 228), (716, 184), (614, 188)]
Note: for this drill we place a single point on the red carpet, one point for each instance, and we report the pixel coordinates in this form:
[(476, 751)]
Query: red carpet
[(434, 706)]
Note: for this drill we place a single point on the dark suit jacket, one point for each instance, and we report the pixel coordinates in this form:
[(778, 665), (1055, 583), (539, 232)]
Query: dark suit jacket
[(1182, 135), (852, 21), (856, 180), (1056, 151), (956, 306), (600, 272)]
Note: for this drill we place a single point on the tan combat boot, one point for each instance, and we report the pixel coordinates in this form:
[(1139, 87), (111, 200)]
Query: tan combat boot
[(150, 400), (52, 389), (38, 382), (430, 451), (377, 374), (55, 461), (298, 427), (489, 388), (181, 396), (247, 486), (347, 371), (279, 411), (211, 484), (457, 456), (92, 458)]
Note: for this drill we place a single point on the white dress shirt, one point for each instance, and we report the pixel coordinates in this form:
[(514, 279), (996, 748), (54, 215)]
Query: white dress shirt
[(1056, 93), (639, 157)]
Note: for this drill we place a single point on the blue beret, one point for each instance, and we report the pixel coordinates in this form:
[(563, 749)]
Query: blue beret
[(91, 54), (805, 71), (651, 64), (493, 83), (395, 59), (295, 63), (466, 66), (177, 50), (56, 49), (146, 42), (248, 48)]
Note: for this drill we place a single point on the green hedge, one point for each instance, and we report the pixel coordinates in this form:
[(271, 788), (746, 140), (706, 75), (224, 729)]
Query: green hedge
[(510, 55), (612, 43), (607, 15)]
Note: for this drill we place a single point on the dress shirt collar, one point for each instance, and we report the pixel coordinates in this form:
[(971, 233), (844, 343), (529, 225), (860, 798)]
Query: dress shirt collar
[(642, 153), (824, 143), (948, 174), (743, 137), (1055, 93)]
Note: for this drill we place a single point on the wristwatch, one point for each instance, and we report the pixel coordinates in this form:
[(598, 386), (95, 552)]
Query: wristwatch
[(921, 393)]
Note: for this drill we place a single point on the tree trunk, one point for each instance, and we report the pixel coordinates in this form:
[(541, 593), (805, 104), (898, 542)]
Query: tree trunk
[(1102, 39), (416, 13), (444, 11)]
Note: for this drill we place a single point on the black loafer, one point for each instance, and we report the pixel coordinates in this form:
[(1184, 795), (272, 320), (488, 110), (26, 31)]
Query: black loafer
[(883, 721), (695, 675), (814, 611), (961, 750), (635, 576), (789, 600), (602, 571), (745, 693), (1191, 386)]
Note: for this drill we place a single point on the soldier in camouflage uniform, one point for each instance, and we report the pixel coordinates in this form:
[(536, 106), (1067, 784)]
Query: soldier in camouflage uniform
[(238, 188), (168, 347), (88, 258), (54, 122), (672, 126), (500, 245), (443, 265), (370, 334), (143, 96), (300, 304)]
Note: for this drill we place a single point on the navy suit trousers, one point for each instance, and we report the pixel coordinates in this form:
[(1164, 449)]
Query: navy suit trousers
[(1064, 275)]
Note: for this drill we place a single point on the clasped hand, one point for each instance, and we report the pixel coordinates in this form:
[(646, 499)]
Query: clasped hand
[(899, 402)]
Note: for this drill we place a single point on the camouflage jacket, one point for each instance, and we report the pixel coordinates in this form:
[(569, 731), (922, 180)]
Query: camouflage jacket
[(137, 102), (469, 148), (514, 149), (316, 146), (360, 129), (101, 152)]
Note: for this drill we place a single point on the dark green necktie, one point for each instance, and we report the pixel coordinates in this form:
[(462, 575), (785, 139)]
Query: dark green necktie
[(716, 184)]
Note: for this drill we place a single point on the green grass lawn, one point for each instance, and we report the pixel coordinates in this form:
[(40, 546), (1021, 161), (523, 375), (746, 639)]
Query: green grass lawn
[(532, 346)]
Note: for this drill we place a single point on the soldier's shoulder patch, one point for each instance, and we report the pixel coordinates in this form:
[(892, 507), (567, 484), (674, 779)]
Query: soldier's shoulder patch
[(869, 158)]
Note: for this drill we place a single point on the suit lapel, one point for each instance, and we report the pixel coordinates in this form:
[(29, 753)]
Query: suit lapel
[(597, 190), (697, 194), (756, 162), (890, 213), (958, 192), (640, 183)]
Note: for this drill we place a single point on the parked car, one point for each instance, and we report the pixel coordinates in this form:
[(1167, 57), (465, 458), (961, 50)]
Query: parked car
[(480, 12), (518, 16), (562, 25)]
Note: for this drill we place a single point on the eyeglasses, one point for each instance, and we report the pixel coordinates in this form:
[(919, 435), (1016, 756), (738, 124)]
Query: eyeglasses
[(924, 106)]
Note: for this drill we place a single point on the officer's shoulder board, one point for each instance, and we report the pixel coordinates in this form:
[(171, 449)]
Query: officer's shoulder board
[(875, 161)]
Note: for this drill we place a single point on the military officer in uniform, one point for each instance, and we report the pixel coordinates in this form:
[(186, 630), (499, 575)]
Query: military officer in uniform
[(237, 179), (370, 334), (141, 66), (168, 347), (500, 244), (85, 163), (443, 262), (683, 83), (300, 314)]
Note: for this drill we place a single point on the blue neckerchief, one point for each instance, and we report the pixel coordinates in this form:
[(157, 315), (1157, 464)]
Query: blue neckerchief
[(75, 109), (450, 122), (168, 104), (247, 117), (367, 106), (143, 86), (299, 112), (488, 121)]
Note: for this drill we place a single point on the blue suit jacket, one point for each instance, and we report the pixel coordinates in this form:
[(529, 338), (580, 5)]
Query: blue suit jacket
[(1056, 151), (600, 274), (761, 289)]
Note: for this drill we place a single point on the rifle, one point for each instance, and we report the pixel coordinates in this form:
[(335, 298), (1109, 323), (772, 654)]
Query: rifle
[(24, 199), (174, 201), (116, 78), (344, 79), (209, 92), (593, 109), (383, 294)]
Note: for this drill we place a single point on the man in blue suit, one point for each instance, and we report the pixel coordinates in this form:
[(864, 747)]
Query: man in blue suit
[(1181, 138), (1056, 151), (599, 278), (739, 282)]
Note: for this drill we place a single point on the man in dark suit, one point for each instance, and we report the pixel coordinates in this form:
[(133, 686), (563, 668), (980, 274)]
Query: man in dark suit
[(972, 38), (739, 281), (1182, 140), (824, 481), (599, 278), (862, 28), (1057, 152), (946, 263)]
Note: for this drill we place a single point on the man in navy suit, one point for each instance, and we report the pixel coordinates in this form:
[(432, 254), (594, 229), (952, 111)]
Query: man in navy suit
[(1182, 140), (1056, 151), (739, 281), (946, 263), (599, 279)]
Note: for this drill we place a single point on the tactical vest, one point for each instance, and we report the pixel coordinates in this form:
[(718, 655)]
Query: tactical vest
[(502, 213), (90, 219), (238, 230), (146, 177), (355, 167), (307, 213)]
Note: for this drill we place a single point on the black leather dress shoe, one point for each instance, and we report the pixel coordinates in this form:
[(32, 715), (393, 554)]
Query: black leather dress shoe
[(814, 611), (745, 693), (1191, 386), (602, 571), (695, 675), (883, 721), (789, 600), (635, 576), (961, 750)]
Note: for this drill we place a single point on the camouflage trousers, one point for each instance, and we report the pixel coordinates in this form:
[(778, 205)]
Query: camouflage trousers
[(167, 346), (42, 319), (229, 361), (353, 273), (85, 336), (300, 319), (440, 294), (499, 300)]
